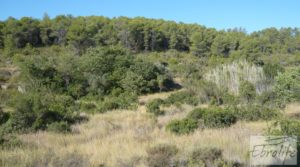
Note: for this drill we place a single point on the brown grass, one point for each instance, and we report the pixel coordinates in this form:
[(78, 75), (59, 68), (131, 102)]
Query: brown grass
[(293, 110), (124, 136)]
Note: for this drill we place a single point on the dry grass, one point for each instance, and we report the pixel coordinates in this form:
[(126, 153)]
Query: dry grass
[(293, 110), (229, 76), (163, 95), (119, 137)]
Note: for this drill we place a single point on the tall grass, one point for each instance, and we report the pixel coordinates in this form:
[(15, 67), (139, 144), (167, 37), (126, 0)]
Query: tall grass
[(230, 76), (123, 137)]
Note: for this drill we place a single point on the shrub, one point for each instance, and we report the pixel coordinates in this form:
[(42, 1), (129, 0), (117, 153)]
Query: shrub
[(256, 112), (206, 91), (35, 111), (272, 70), (23, 117), (183, 126), (287, 86), (3, 117), (108, 104), (88, 106), (218, 118), (8, 140), (161, 155), (154, 107), (181, 98), (122, 101), (229, 99), (197, 113), (210, 118), (268, 98), (285, 127), (205, 156), (59, 127), (247, 91)]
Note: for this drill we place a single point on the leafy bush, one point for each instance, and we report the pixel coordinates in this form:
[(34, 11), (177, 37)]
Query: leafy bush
[(272, 70), (253, 112), (161, 155), (3, 117), (285, 127), (268, 98), (154, 107), (36, 111), (204, 156), (23, 117), (86, 106), (59, 127), (9, 141), (229, 99), (287, 86), (183, 126), (197, 113), (247, 91), (209, 157), (181, 98), (219, 118), (125, 100), (108, 68), (209, 118)]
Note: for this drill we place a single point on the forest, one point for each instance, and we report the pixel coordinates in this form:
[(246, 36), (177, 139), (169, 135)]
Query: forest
[(174, 81)]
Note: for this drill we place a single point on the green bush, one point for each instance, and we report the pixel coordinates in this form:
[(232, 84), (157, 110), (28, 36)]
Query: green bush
[(23, 117), (87, 106), (229, 99), (204, 156), (285, 127), (268, 98), (272, 70), (219, 118), (8, 141), (247, 91), (209, 118), (256, 112), (197, 113), (209, 157), (161, 155), (59, 127), (3, 117), (154, 107), (287, 86), (183, 126), (35, 111), (181, 98), (123, 101)]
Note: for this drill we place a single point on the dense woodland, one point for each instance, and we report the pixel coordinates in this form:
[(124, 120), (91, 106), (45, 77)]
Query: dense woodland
[(53, 70), (142, 35)]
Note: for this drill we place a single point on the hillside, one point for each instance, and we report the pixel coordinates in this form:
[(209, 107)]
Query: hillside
[(126, 92)]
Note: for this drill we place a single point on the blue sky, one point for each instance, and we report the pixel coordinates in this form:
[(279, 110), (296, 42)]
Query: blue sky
[(221, 14)]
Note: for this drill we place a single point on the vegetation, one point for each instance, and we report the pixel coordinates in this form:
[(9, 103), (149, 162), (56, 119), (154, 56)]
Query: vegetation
[(161, 155), (209, 118), (55, 73), (154, 107), (183, 126)]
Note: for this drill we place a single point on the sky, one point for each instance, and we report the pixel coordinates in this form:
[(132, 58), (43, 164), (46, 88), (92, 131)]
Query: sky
[(253, 15)]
